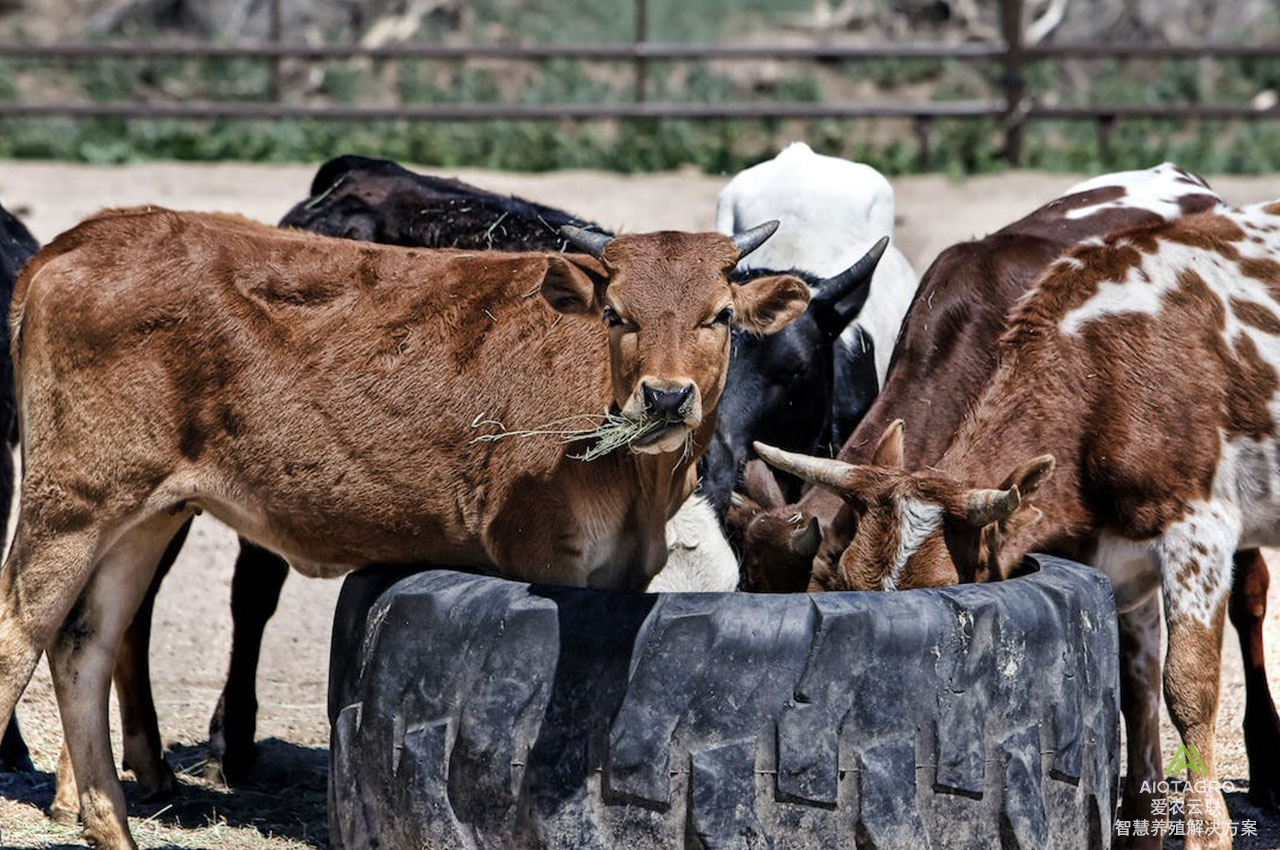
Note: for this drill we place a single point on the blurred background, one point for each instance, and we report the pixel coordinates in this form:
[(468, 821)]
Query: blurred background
[(960, 86)]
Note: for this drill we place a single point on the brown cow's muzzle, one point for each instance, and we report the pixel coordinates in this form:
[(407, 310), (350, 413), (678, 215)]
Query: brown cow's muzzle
[(674, 405)]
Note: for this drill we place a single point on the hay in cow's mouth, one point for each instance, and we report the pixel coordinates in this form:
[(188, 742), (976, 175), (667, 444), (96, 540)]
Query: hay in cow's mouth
[(611, 431)]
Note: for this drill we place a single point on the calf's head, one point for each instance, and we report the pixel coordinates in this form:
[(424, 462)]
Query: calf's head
[(668, 304), (779, 387), (914, 529)]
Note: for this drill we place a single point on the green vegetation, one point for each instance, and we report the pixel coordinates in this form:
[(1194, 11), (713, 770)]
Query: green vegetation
[(958, 147)]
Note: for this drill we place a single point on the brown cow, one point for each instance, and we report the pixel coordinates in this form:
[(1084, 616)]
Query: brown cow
[(944, 356), (1147, 367), (320, 396)]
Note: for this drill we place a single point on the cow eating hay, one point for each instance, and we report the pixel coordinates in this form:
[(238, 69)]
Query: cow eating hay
[(1146, 368), (317, 396)]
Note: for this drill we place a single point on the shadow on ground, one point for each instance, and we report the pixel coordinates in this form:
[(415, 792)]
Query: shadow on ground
[(285, 795)]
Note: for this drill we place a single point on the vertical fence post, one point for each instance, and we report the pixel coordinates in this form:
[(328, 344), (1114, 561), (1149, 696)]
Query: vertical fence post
[(1015, 81), (642, 35), (1106, 124), (274, 28), (924, 156)]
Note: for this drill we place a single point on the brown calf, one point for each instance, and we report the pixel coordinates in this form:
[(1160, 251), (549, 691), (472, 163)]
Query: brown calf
[(1147, 367), (319, 396)]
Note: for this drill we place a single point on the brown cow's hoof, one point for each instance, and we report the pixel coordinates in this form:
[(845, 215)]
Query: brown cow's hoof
[(157, 784), (63, 814)]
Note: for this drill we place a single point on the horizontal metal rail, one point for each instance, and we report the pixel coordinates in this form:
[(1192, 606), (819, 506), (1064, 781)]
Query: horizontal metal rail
[(627, 51), (514, 111), (942, 110), (521, 52), (1193, 111)]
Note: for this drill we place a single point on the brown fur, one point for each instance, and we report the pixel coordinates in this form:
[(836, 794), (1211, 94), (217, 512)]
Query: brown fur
[(321, 397), (1135, 406), (943, 358)]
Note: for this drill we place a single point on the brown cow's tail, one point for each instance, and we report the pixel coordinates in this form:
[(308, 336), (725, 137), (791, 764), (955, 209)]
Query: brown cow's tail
[(17, 311)]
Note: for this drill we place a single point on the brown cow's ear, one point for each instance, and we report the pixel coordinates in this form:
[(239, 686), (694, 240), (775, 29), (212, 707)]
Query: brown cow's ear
[(742, 509), (889, 450), (761, 486), (1029, 476), (768, 304), (574, 283)]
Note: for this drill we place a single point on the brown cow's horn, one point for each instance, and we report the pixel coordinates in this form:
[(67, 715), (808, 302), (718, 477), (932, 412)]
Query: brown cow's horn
[(817, 470), (749, 240), (805, 541), (983, 507), (588, 240)]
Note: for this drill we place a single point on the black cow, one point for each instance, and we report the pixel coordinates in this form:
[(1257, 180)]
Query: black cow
[(16, 247), (783, 385), (375, 200)]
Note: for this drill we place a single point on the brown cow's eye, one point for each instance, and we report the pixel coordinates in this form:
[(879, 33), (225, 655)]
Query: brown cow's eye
[(723, 317), (611, 317)]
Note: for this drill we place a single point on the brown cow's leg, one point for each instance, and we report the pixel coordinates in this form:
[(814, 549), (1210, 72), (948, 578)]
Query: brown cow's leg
[(1140, 704), (255, 591), (65, 808), (1248, 610), (1195, 568), (81, 660), (41, 579), (143, 751), (14, 755)]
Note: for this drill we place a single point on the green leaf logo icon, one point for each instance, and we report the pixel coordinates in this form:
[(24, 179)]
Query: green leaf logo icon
[(1186, 758)]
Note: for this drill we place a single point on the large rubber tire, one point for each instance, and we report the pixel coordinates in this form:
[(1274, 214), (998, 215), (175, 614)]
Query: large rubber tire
[(471, 712)]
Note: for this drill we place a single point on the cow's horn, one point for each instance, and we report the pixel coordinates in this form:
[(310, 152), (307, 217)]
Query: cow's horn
[(588, 240), (805, 541), (835, 288), (983, 507), (749, 240), (816, 470)]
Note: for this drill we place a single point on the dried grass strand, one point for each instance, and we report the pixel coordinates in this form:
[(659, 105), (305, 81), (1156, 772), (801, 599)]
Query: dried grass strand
[(610, 432)]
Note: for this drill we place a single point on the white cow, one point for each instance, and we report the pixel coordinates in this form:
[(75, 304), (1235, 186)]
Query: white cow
[(831, 212), (699, 559)]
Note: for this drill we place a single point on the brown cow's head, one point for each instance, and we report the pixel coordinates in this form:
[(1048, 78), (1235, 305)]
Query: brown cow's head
[(915, 529), (668, 305), (778, 542)]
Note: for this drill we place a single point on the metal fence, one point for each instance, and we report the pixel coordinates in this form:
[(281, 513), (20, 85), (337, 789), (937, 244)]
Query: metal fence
[(1013, 109)]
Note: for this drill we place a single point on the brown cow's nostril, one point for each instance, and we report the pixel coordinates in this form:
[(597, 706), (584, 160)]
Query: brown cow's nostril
[(666, 404)]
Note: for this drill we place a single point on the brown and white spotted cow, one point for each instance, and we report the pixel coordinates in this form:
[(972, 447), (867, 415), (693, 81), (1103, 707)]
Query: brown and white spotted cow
[(944, 357), (320, 397), (1143, 372)]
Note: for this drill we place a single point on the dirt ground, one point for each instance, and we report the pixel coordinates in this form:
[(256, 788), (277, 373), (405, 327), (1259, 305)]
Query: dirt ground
[(283, 806)]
